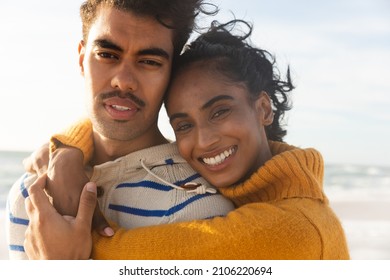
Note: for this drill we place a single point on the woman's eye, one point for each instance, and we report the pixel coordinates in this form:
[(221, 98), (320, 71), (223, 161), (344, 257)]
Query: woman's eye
[(183, 127), (220, 113)]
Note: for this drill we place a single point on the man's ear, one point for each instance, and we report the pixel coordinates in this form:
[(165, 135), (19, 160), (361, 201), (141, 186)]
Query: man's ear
[(264, 108), (81, 50)]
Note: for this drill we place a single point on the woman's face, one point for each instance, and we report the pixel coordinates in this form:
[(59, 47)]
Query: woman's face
[(219, 131)]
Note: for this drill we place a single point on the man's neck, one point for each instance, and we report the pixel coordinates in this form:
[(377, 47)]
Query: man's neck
[(108, 149)]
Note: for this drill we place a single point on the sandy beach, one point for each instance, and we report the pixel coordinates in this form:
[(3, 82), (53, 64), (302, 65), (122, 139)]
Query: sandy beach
[(366, 224), (367, 227)]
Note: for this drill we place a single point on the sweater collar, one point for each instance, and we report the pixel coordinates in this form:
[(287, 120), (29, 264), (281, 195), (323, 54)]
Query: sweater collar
[(291, 172)]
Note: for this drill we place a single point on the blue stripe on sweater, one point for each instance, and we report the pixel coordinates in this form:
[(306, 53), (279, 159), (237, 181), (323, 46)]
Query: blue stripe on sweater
[(155, 213), (18, 248), (189, 179), (18, 221), (157, 186), (145, 184), (11, 217), (23, 188)]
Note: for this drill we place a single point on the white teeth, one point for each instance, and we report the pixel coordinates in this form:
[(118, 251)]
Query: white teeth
[(120, 108), (219, 158)]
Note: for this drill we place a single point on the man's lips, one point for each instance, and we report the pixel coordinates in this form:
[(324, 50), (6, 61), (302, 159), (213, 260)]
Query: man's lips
[(120, 108)]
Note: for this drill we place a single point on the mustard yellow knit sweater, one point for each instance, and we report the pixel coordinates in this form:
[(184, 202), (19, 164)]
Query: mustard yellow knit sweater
[(282, 213)]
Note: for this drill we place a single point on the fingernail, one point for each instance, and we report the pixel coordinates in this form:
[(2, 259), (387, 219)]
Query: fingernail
[(109, 231), (91, 187)]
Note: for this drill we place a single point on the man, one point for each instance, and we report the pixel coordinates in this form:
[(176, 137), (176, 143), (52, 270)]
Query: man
[(125, 58)]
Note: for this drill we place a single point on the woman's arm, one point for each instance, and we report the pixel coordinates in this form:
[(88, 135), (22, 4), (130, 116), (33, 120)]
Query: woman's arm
[(290, 229), (294, 228)]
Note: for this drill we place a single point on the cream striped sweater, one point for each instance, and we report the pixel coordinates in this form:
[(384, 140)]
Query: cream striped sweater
[(132, 197)]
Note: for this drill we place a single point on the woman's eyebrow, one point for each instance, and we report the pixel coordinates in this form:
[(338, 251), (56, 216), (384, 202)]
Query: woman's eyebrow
[(205, 106), (177, 116), (216, 99)]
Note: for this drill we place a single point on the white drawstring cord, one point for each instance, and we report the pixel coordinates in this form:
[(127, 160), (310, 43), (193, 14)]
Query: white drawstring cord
[(200, 189)]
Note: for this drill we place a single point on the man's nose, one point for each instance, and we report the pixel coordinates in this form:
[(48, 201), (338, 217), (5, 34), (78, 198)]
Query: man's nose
[(124, 78)]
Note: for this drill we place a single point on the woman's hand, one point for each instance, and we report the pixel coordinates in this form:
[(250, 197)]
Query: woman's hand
[(38, 161)]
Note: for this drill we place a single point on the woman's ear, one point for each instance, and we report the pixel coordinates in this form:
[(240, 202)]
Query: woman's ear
[(81, 50), (264, 108)]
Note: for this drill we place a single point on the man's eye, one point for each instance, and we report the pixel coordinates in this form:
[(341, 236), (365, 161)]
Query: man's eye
[(107, 55), (151, 62)]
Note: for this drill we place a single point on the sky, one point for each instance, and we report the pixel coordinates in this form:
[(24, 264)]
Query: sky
[(338, 52)]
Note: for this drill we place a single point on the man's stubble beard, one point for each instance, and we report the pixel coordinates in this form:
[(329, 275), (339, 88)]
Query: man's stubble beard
[(116, 129)]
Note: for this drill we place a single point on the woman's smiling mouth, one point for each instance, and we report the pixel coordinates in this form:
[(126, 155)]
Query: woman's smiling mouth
[(220, 158)]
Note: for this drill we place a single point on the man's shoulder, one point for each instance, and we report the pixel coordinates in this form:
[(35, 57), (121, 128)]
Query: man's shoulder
[(156, 155), (162, 151), (17, 219), (19, 190)]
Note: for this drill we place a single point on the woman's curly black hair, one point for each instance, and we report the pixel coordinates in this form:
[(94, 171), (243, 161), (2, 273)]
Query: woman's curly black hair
[(240, 62)]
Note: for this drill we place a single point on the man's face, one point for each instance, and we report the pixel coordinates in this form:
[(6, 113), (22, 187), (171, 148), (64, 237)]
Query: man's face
[(126, 63)]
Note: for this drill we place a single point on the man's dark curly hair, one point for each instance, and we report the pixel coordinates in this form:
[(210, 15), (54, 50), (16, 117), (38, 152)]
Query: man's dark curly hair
[(240, 62), (178, 15)]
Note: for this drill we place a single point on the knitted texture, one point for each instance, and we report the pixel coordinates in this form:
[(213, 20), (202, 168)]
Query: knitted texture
[(131, 196), (282, 214), (78, 135), (290, 173)]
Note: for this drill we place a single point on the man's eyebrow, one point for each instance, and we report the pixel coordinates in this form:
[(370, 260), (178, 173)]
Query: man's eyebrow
[(216, 99), (106, 44), (155, 52)]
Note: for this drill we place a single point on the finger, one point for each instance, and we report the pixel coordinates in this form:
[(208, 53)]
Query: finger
[(27, 164), (37, 194), (41, 159), (68, 218), (100, 224), (29, 207), (87, 204), (28, 243), (41, 169)]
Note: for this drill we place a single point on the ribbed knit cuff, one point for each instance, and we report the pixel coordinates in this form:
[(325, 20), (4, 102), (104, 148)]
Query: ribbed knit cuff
[(78, 136)]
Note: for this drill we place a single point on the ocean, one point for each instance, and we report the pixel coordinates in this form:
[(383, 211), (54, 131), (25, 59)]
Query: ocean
[(357, 182), (341, 181), (360, 196)]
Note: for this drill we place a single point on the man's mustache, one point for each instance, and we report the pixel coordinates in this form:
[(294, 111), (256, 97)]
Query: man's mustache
[(120, 94)]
